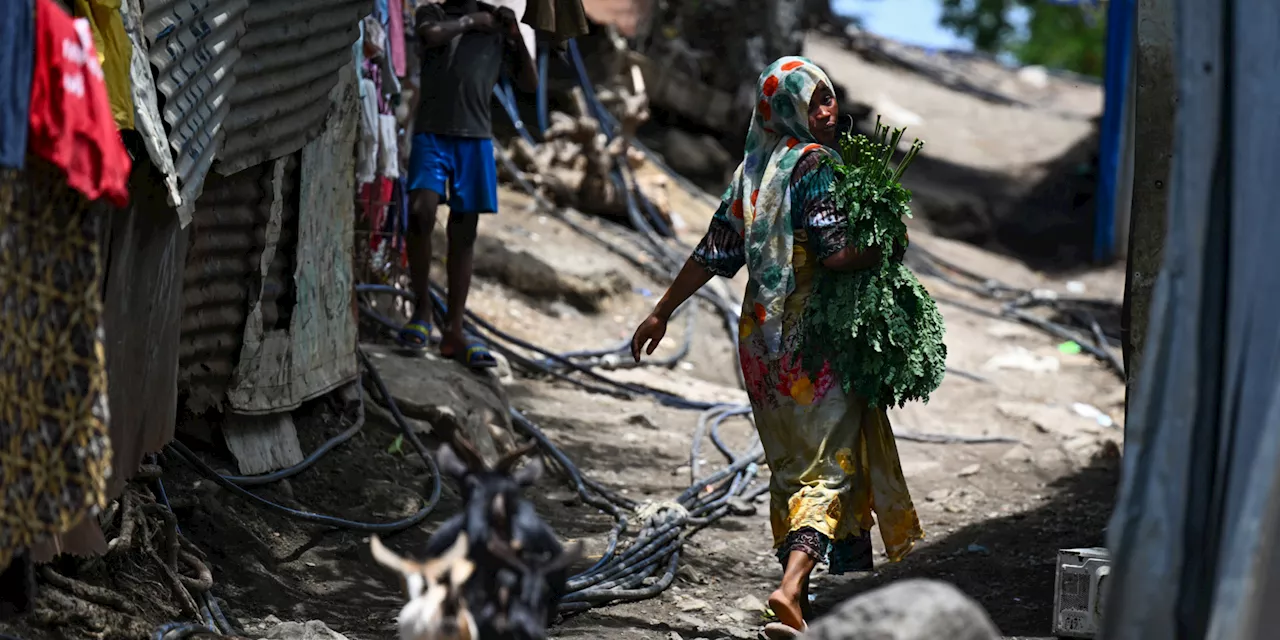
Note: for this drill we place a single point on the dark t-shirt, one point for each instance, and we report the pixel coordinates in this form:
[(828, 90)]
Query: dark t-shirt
[(458, 78)]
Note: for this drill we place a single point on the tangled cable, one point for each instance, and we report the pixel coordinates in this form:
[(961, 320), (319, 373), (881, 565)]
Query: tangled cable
[(1015, 303), (647, 565)]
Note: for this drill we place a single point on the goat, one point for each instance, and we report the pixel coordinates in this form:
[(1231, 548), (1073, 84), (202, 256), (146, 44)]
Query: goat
[(539, 588), (521, 567), (437, 607)]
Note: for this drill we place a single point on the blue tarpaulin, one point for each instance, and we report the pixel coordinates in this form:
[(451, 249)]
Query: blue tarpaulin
[(1120, 36), (1195, 531)]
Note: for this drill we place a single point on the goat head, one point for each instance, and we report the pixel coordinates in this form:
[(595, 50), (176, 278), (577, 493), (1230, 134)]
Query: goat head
[(490, 495), (541, 583), (436, 608)]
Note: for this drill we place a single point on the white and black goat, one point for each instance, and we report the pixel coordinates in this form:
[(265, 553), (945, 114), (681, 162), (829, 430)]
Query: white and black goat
[(517, 566)]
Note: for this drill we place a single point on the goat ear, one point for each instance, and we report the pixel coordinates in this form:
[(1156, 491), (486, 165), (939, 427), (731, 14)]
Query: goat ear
[(390, 560), (449, 462), (436, 568), (461, 572), (528, 475)]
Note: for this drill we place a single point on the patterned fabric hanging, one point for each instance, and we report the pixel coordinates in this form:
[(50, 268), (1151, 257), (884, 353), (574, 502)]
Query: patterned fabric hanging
[(55, 453)]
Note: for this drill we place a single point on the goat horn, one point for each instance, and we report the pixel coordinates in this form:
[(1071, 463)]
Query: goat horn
[(508, 462), (467, 451)]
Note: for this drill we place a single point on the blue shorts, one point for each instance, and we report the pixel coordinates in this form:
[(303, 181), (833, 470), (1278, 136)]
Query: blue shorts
[(466, 165)]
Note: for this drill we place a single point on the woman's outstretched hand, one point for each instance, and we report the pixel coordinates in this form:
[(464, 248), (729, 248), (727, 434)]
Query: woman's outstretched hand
[(650, 332)]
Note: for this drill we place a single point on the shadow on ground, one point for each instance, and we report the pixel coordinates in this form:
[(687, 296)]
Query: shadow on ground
[(1008, 564)]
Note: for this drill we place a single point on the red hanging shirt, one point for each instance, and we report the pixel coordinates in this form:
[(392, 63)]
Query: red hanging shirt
[(71, 121)]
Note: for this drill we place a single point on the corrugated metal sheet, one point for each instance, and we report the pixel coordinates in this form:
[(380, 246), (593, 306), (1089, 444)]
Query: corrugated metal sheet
[(146, 115), (290, 56), (283, 367), (222, 276), (242, 82), (625, 15), (193, 48)]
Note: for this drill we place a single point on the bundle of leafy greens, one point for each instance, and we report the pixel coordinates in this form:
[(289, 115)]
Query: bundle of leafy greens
[(879, 328)]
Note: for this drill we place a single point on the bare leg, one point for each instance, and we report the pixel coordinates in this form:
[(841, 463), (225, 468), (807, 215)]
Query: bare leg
[(806, 609), (786, 601), (462, 242), (422, 219)]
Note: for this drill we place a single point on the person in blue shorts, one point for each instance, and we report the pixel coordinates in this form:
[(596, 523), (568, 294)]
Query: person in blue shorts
[(465, 46)]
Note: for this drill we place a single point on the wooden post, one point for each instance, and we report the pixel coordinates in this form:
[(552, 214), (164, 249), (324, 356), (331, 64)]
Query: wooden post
[(1153, 133)]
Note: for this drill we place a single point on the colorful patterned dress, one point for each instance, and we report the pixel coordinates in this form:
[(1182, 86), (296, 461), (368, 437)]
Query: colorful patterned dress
[(833, 459)]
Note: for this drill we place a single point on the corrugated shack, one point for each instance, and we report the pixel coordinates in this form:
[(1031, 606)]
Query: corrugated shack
[(229, 278)]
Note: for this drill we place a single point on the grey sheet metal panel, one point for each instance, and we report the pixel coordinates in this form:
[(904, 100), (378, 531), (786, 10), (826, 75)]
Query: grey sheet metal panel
[(146, 109), (1194, 532), (228, 239), (289, 60), (193, 48)]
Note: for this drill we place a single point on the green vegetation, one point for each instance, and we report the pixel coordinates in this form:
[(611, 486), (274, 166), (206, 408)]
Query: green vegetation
[(879, 329), (1070, 37)]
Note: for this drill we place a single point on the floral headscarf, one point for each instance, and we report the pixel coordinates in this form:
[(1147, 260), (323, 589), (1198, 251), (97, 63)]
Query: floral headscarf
[(759, 199)]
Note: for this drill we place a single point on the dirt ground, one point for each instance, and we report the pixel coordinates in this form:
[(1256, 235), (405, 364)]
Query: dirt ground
[(995, 514)]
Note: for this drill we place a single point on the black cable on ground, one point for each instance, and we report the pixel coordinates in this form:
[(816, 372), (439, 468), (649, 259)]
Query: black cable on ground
[(232, 483), (1015, 302)]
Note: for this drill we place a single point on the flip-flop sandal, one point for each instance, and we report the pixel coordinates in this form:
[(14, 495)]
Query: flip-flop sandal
[(476, 356), (780, 631), (416, 335)]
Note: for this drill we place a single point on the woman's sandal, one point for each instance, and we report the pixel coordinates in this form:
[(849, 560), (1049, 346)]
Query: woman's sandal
[(415, 336), (780, 631), (476, 356)]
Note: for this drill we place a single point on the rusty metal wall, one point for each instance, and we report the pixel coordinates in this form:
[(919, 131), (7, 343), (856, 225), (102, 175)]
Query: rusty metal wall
[(290, 56), (228, 237)]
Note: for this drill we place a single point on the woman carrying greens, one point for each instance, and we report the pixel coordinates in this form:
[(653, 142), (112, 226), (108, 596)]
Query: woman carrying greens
[(832, 456)]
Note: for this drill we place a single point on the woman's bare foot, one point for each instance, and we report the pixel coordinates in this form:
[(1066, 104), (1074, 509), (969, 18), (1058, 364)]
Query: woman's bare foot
[(787, 607)]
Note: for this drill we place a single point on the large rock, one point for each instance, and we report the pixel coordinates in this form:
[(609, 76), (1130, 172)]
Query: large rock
[(907, 610), (436, 394), (542, 268)]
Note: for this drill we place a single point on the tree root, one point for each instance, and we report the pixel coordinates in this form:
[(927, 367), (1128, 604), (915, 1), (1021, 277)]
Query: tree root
[(124, 541), (87, 592), (179, 590)]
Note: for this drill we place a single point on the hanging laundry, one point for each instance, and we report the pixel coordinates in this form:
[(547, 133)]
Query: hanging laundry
[(367, 143), (388, 147), (375, 38), (395, 36), (54, 444), (114, 54), (561, 19), (71, 122), (17, 51)]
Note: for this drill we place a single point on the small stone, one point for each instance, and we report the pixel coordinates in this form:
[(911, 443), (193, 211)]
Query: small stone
[(970, 470), (674, 636), (691, 575), (641, 419), (693, 604), (749, 603), (938, 495)]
